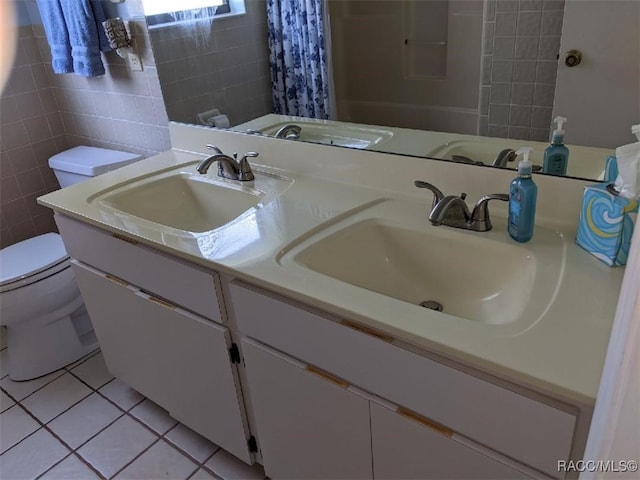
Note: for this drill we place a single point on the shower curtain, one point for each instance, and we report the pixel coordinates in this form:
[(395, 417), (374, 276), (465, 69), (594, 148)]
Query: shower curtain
[(297, 57)]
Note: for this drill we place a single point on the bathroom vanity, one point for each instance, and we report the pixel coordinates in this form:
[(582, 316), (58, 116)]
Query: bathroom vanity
[(248, 333)]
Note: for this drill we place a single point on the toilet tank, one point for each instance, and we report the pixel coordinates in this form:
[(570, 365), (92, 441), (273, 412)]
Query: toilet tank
[(80, 163)]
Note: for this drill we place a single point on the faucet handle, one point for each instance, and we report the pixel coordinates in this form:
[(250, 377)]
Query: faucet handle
[(480, 220), (214, 148), (437, 194), (246, 174)]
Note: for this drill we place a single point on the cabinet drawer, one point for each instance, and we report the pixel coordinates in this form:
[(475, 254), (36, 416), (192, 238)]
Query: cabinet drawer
[(403, 448), (522, 428), (174, 357), (188, 285)]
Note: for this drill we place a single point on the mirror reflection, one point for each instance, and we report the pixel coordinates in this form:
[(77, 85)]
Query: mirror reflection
[(462, 80)]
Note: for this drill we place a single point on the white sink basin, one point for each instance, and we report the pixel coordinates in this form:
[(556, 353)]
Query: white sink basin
[(342, 135), (483, 277), (188, 201), (481, 151), (185, 202), (584, 162)]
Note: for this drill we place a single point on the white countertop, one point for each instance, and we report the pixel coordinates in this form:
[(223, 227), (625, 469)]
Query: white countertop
[(562, 354)]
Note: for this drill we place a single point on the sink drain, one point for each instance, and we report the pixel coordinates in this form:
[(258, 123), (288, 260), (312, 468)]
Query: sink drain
[(432, 305)]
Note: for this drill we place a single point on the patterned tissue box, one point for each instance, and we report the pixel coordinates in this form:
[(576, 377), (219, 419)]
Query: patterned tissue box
[(610, 169), (606, 224)]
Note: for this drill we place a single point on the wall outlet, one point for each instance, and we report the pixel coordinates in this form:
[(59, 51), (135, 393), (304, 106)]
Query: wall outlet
[(134, 61)]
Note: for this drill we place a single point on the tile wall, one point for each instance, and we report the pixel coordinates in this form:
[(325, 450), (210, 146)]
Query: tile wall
[(31, 131), (42, 114), (222, 65), (520, 47), (123, 109)]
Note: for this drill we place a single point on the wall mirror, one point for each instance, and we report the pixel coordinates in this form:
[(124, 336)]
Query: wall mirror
[(400, 70)]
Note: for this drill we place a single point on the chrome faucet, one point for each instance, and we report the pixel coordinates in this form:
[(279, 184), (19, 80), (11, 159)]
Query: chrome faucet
[(228, 167), (505, 156), (452, 210), (463, 159), (290, 131)]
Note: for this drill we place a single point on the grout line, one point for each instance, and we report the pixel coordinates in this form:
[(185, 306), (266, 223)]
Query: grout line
[(114, 403), (80, 361), (96, 434), (65, 410), (173, 445), (54, 465), (95, 389), (73, 454), (136, 457), (48, 429), (36, 430), (141, 422), (91, 467), (42, 386), (75, 451), (209, 470), (64, 443)]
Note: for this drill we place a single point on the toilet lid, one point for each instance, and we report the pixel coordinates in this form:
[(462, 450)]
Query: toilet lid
[(30, 257)]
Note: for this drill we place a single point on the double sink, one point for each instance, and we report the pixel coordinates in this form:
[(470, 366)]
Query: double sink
[(387, 247)]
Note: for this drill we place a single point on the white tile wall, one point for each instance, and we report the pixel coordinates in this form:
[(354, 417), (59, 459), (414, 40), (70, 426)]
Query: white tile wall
[(194, 66), (44, 113), (520, 44)]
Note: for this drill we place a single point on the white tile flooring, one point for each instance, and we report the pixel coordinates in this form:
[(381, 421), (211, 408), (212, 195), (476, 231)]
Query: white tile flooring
[(81, 423)]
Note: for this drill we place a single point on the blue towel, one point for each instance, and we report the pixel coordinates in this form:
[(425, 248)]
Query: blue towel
[(87, 38), (56, 29)]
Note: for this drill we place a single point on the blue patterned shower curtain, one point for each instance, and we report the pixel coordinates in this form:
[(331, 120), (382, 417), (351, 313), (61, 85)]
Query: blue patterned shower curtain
[(299, 78)]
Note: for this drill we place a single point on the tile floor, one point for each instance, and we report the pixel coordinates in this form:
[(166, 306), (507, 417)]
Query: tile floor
[(81, 423)]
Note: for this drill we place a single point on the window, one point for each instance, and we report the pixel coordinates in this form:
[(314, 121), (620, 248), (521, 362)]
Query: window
[(160, 12)]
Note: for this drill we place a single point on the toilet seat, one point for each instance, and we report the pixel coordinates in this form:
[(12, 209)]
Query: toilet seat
[(32, 260)]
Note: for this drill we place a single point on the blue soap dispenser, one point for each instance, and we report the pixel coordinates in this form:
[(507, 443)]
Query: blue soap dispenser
[(523, 194), (556, 155)]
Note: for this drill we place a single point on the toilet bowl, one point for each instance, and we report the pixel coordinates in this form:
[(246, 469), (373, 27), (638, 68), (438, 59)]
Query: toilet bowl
[(47, 323)]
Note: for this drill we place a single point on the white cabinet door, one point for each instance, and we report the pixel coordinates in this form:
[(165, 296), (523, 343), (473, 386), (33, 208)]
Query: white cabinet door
[(308, 426), (600, 96), (177, 359), (405, 448)]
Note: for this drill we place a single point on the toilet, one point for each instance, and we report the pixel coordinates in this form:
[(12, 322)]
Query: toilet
[(40, 304)]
